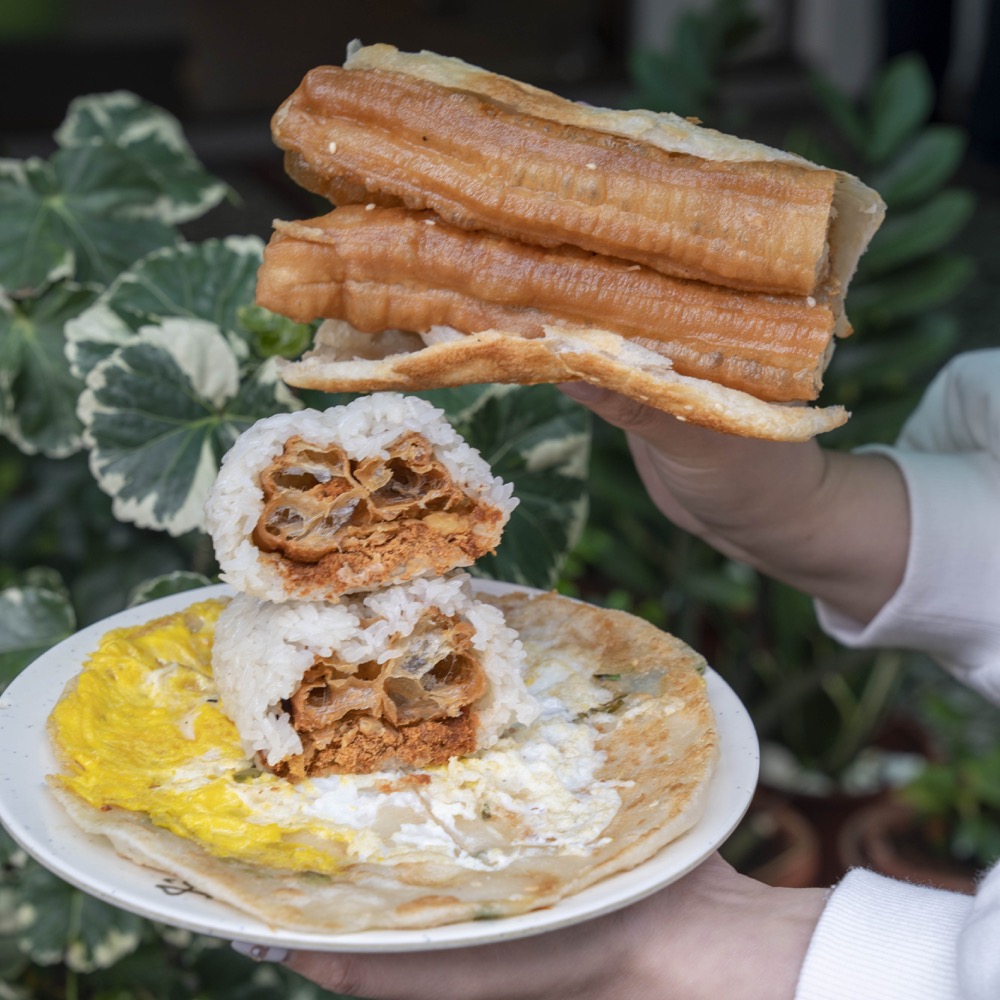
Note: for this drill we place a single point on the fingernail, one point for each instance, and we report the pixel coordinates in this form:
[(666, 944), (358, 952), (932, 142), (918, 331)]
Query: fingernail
[(260, 952)]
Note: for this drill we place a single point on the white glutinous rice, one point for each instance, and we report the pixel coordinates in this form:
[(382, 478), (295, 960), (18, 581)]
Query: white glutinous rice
[(263, 649), (364, 551)]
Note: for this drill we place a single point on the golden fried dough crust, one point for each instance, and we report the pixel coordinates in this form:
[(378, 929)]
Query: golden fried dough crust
[(633, 188), (390, 268), (378, 135), (327, 516), (413, 710)]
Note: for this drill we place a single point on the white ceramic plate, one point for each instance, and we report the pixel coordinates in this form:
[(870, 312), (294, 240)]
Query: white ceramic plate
[(35, 820)]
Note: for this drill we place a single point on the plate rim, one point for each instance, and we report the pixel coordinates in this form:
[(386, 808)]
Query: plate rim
[(739, 761)]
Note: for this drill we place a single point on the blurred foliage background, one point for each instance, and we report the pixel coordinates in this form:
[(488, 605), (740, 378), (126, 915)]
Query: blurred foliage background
[(89, 524)]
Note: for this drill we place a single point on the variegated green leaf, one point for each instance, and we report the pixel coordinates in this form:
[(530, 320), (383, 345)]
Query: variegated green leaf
[(66, 925), (213, 280), (74, 216), (37, 390), (538, 439), (154, 142), (274, 335), (164, 586), (160, 412), (12, 856), (32, 618)]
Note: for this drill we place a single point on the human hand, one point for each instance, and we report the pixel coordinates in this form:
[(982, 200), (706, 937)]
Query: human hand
[(715, 933), (832, 524)]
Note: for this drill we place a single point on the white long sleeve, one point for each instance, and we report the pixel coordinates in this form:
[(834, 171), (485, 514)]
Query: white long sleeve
[(949, 602), (880, 939)]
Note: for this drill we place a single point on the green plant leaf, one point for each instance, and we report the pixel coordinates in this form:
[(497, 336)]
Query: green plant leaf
[(901, 102), (893, 363), (908, 236), (921, 167), (154, 142), (74, 216), (274, 335), (926, 285), (32, 618), (69, 926), (840, 110), (159, 414), (538, 439), (660, 86), (213, 280), (37, 390), (801, 140), (165, 585), (695, 52)]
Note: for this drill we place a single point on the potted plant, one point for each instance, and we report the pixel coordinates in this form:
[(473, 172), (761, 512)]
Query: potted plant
[(943, 826)]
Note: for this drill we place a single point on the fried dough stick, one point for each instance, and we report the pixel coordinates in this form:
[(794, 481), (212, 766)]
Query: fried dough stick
[(387, 137), (413, 710), (390, 268), (323, 511)]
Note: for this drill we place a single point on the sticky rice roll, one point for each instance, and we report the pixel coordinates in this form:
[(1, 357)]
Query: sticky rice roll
[(405, 677), (315, 505)]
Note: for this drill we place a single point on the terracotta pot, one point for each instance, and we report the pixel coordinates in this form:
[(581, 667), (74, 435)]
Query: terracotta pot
[(887, 837), (775, 844)]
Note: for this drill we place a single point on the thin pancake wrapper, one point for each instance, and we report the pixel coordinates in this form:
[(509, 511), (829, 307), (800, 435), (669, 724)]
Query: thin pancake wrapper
[(649, 722)]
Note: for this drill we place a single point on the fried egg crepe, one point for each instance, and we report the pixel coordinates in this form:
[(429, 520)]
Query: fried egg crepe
[(574, 243), (313, 506), (477, 838)]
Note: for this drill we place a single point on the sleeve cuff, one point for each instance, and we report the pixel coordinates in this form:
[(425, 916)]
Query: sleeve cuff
[(946, 604), (883, 939)]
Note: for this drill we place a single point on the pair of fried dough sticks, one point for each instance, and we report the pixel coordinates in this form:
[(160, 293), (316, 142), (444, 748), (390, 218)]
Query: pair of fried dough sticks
[(489, 231)]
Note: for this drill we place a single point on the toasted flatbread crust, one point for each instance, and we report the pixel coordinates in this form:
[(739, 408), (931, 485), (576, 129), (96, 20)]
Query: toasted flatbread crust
[(661, 744), (349, 361)]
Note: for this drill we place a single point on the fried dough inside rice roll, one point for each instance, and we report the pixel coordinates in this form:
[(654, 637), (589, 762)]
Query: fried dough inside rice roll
[(391, 268), (313, 505), (406, 677)]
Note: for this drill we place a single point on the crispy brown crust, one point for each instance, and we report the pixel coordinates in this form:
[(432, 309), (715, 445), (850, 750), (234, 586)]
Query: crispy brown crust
[(415, 709), (482, 165), (370, 521), (390, 268), (418, 744), (342, 131), (348, 361)]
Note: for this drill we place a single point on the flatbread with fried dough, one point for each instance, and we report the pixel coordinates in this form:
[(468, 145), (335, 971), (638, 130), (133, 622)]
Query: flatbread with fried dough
[(657, 733)]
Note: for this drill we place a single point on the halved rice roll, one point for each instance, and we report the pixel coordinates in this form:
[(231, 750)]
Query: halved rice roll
[(405, 677), (314, 505)]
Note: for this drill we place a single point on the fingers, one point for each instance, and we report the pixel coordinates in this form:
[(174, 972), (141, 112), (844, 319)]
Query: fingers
[(621, 411), (665, 432), (546, 966)]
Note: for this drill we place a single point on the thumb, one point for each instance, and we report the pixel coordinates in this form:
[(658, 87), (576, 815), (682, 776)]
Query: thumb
[(661, 429), (621, 411)]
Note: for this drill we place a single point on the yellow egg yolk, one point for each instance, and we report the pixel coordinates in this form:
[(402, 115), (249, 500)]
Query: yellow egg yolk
[(141, 729)]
